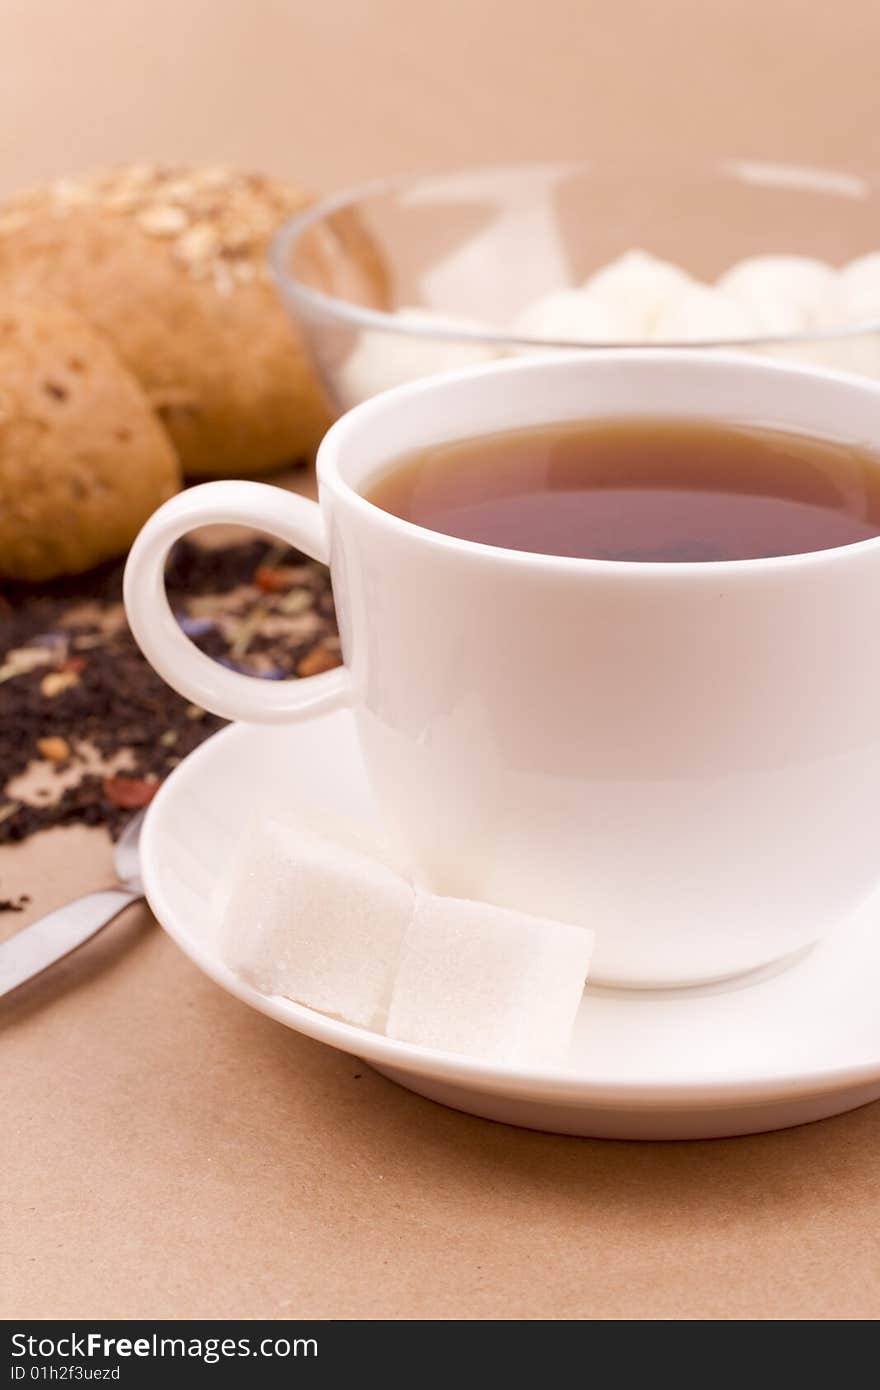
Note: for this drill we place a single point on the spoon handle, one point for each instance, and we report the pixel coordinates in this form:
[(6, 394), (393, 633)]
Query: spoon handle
[(45, 941)]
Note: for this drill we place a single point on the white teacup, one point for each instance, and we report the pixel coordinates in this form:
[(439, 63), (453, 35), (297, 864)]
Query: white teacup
[(685, 757)]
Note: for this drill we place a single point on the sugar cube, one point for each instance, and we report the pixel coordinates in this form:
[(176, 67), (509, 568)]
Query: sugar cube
[(381, 360), (852, 298), (488, 982), (784, 292), (573, 316), (860, 282), (701, 314), (315, 920), (638, 286)]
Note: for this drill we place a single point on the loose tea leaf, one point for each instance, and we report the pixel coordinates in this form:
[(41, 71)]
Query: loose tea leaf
[(77, 694), (15, 904), (131, 793)]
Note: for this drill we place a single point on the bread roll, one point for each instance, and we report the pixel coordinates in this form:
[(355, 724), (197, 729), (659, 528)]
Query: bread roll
[(83, 459), (170, 265)]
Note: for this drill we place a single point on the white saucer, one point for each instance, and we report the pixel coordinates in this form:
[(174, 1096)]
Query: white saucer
[(768, 1052)]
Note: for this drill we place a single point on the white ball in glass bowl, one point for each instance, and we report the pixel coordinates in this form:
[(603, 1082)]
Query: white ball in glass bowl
[(851, 299), (783, 293), (572, 316), (699, 313), (638, 286), (858, 288), (847, 299), (382, 359)]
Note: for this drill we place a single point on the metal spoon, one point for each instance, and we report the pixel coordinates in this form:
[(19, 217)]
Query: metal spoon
[(51, 937)]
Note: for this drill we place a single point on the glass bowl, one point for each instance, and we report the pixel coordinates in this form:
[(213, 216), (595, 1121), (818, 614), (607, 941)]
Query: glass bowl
[(448, 263)]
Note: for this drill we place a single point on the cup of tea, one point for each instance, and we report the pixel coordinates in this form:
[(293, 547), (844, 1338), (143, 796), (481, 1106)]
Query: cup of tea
[(611, 630)]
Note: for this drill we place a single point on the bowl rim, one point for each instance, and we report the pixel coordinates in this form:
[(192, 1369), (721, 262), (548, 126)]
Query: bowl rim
[(841, 183)]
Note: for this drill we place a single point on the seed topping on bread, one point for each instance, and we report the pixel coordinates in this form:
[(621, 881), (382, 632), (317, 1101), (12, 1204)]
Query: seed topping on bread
[(215, 221)]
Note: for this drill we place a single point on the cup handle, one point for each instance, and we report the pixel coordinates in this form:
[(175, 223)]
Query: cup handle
[(293, 519)]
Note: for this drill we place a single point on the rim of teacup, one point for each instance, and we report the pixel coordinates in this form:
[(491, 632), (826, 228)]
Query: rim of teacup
[(344, 433)]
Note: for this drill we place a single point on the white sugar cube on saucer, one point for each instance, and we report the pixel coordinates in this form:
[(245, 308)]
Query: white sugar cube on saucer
[(315, 920), (488, 982)]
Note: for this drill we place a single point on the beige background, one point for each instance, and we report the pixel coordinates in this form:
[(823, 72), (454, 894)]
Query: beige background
[(166, 1152), (332, 91)]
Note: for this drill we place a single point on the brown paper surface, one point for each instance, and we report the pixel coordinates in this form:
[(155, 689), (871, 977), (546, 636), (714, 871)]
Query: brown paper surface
[(166, 1152)]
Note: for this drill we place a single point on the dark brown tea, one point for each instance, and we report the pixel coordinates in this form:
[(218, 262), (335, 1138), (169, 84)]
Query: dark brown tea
[(640, 489)]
